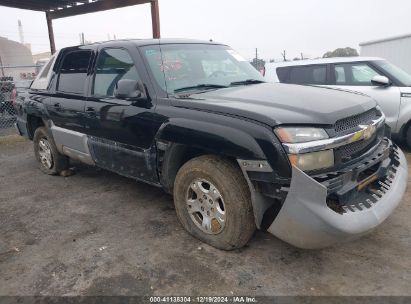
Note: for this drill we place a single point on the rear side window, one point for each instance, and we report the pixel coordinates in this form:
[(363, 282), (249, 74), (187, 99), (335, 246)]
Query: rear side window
[(313, 74), (282, 74), (45, 71), (42, 80), (112, 66), (73, 72), (354, 74)]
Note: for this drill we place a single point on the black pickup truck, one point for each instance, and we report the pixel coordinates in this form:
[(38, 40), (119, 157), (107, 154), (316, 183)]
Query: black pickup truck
[(313, 166)]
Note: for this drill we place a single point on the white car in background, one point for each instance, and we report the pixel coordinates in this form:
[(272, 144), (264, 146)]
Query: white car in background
[(389, 85)]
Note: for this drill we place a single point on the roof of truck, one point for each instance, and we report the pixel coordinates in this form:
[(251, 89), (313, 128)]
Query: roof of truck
[(141, 42), (170, 40)]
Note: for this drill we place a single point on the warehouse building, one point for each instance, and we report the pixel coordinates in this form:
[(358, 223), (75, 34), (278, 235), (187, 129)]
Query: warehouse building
[(16, 61), (397, 50)]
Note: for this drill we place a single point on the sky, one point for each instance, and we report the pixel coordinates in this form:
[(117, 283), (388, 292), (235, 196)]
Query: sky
[(297, 26)]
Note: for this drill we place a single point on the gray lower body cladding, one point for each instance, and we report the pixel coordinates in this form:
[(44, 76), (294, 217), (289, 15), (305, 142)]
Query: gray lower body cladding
[(306, 219), (73, 144), (106, 154)]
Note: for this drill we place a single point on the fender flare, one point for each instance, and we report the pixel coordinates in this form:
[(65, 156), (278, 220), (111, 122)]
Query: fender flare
[(212, 138)]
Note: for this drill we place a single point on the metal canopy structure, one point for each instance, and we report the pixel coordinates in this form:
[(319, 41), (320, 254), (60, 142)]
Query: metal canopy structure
[(56, 9)]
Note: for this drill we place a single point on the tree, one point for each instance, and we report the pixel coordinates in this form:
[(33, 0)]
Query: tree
[(342, 52), (258, 63)]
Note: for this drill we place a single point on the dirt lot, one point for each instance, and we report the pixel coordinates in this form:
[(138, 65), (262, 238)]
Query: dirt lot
[(96, 233)]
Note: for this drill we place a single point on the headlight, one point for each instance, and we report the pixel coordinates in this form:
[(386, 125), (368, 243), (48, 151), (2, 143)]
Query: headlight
[(307, 161), (313, 161), (300, 134)]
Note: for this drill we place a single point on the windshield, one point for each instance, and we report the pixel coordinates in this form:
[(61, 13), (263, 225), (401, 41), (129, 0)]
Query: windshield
[(395, 71), (185, 67)]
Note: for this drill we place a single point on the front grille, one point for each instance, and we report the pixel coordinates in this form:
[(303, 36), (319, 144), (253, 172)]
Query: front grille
[(347, 124), (350, 151)]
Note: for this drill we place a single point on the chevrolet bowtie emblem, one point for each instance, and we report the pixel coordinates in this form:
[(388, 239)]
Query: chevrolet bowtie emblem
[(367, 131)]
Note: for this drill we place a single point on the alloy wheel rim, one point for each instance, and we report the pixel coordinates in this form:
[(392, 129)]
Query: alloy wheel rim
[(206, 207), (46, 157)]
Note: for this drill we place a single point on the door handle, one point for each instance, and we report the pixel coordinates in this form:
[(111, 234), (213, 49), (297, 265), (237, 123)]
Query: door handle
[(91, 112), (57, 106)]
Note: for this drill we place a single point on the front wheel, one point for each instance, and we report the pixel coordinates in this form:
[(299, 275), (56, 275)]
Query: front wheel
[(213, 202), (50, 160)]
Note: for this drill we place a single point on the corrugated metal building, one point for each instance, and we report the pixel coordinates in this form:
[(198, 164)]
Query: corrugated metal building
[(397, 50)]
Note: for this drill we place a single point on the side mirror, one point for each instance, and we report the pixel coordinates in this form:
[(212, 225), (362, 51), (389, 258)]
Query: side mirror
[(130, 90), (381, 81)]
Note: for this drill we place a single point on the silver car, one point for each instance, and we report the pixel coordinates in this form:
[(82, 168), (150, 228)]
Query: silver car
[(389, 85)]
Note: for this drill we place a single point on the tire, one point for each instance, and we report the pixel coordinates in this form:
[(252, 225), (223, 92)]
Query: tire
[(43, 142), (408, 137), (227, 192)]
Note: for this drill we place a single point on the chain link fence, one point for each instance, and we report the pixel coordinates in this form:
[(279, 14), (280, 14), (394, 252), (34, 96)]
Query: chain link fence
[(7, 97), (13, 79)]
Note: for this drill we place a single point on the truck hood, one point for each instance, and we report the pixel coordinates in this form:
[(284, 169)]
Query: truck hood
[(275, 104)]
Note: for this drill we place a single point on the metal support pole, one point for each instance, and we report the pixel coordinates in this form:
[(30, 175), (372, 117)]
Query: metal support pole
[(51, 33), (155, 18)]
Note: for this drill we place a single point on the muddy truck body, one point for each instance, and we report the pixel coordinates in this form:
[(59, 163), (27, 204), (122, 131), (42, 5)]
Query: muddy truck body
[(313, 166)]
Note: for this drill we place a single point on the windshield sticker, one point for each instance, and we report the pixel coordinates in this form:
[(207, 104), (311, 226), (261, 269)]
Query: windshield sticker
[(236, 55)]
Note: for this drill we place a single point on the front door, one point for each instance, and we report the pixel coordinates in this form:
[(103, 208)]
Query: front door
[(357, 76), (120, 131)]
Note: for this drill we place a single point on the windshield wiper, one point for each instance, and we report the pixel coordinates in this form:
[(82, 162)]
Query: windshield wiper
[(202, 86), (246, 82)]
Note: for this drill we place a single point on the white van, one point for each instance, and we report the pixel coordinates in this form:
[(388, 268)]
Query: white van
[(387, 84)]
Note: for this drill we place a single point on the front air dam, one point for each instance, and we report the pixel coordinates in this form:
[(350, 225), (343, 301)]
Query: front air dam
[(306, 221)]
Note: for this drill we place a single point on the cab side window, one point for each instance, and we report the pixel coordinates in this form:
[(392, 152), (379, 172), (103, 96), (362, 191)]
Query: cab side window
[(112, 66), (73, 72), (354, 74), (312, 74)]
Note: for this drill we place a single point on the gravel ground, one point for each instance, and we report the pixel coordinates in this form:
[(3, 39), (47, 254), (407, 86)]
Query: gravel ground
[(97, 233)]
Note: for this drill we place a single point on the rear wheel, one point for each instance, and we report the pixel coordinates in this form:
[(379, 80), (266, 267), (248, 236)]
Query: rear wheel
[(213, 202), (50, 160)]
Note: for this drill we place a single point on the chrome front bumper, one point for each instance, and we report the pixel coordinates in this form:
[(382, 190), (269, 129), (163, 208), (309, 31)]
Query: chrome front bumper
[(306, 221)]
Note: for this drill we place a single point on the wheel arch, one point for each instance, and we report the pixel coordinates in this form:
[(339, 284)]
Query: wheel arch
[(34, 122), (180, 140)]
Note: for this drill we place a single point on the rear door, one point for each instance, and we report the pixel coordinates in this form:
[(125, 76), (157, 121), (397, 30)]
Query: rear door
[(66, 107), (317, 74), (121, 132), (357, 76)]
